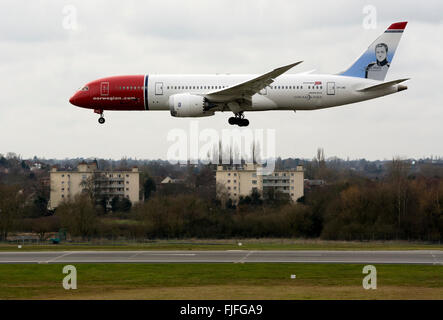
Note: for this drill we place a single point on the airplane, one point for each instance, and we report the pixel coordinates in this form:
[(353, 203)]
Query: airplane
[(202, 95)]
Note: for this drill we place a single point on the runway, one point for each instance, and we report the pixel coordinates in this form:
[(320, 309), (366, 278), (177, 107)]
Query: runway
[(428, 257)]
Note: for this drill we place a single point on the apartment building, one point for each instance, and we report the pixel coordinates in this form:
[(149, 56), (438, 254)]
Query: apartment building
[(241, 180), (66, 184)]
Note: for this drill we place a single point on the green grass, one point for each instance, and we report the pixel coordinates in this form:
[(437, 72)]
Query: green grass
[(220, 281), (230, 244)]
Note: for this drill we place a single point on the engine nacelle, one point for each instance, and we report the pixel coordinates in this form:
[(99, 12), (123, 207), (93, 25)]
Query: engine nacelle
[(188, 105)]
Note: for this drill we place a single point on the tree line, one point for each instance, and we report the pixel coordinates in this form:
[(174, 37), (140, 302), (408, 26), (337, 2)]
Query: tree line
[(401, 205)]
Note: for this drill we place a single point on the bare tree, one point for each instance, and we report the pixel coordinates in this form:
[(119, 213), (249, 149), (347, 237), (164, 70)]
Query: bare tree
[(11, 206), (398, 172)]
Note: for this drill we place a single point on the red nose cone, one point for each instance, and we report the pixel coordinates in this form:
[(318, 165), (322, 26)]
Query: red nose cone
[(79, 99), (72, 100)]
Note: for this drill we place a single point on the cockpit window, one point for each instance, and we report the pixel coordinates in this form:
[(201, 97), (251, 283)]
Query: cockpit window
[(85, 88)]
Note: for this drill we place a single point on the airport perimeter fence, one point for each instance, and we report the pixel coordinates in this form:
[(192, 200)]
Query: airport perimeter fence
[(96, 241)]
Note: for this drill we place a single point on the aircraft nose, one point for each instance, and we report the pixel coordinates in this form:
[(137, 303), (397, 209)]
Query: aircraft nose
[(79, 99), (73, 100)]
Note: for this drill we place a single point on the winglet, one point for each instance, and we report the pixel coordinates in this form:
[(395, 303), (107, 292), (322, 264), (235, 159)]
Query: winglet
[(283, 69)]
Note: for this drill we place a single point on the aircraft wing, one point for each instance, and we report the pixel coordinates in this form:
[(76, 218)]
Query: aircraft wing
[(245, 90)]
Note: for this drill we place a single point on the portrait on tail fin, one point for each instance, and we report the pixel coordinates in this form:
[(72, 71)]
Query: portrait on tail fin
[(377, 70)]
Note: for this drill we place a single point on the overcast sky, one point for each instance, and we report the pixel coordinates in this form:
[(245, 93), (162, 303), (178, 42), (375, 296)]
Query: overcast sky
[(42, 64)]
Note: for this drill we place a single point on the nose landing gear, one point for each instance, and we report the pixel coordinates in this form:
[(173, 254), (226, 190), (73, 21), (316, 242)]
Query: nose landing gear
[(239, 120), (101, 120)]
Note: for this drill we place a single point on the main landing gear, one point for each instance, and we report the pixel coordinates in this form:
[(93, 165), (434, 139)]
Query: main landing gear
[(239, 120), (101, 120)]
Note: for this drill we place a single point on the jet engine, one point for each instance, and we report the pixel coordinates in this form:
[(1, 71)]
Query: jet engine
[(188, 105)]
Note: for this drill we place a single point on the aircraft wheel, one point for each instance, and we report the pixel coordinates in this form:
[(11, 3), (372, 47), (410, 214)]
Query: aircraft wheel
[(243, 123), (232, 120), (101, 120)]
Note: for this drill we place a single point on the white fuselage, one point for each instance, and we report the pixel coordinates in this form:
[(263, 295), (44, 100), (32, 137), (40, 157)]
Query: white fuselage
[(287, 92)]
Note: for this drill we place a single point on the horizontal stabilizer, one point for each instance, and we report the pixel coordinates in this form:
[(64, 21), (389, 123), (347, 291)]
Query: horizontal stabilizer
[(382, 85)]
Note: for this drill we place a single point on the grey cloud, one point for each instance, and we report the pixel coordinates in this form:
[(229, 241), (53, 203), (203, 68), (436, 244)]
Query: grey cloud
[(44, 64)]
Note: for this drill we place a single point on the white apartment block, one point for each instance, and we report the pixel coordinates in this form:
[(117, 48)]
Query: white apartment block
[(236, 181), (66, 184)]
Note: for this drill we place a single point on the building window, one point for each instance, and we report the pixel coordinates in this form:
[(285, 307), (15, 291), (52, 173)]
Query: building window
[(127, 189), (254, 181), (127, 182), (229, 181)]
